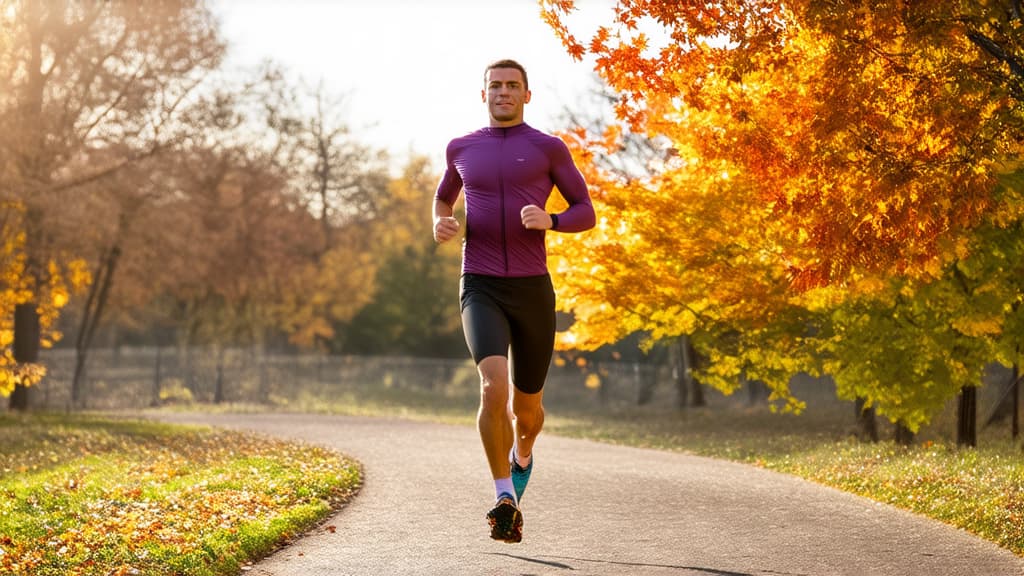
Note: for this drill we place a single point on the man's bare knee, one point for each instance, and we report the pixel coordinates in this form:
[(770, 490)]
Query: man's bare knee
[(494, 385), (493, 395)]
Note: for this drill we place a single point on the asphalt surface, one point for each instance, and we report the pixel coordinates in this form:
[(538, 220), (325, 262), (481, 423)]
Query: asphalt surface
[(595, 509)]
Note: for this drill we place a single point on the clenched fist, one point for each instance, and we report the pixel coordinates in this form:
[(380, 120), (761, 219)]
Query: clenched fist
[(445, 228), (535, 218)]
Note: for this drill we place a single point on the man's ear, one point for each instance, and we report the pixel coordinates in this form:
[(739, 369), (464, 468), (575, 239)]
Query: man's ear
[(483, 95), (527, 99)]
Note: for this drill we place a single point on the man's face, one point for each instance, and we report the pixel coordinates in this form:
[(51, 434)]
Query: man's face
[(505, 95)]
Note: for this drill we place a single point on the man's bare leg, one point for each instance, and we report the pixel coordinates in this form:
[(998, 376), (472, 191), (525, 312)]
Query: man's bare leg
[(529, 419), (493, 419), (494, 422), (527, 423)]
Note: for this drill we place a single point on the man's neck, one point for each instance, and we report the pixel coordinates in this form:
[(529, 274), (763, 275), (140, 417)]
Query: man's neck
[(507, 124)]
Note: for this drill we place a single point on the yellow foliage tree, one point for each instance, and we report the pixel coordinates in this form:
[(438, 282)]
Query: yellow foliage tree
[(17, 289), (809, 144)]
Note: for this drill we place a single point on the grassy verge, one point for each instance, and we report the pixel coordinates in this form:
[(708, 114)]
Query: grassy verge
[(87, 495)]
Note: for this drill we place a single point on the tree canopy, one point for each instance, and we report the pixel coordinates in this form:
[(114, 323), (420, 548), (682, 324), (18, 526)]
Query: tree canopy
[(144, 184), (823, 162)]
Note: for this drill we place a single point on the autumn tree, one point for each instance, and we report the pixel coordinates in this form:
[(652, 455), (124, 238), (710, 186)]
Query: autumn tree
[(813, 101), (239, 229), (907, 346), (414, 310), (812, 144), (252, 248), (342, 182), (88, 90), (346, 178), (18, 361)]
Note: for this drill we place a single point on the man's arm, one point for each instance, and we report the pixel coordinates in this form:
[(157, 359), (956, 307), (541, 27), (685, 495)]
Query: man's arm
[(445, 224), (580, 214)]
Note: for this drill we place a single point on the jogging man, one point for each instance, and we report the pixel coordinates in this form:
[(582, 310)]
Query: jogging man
[(508, 170)]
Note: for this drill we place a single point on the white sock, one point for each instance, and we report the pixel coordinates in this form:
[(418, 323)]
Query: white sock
[(504, 486)]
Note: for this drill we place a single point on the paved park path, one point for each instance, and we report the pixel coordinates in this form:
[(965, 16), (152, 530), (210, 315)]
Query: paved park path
[(595, 509)]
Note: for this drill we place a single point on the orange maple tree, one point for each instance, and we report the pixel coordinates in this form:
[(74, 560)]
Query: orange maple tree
[(812, 149), (822, 142)]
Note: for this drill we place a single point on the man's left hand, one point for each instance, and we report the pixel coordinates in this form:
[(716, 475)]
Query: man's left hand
[(535, 218)]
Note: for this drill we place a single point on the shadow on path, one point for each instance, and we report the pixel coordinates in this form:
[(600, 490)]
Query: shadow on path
[(537, 560), (534, 560)]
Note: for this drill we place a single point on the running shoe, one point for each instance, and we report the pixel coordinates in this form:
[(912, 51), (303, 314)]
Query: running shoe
[(520, 477), (506, 520)]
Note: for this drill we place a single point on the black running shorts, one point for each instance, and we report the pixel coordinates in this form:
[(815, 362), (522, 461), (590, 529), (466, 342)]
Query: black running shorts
[(511, 317)]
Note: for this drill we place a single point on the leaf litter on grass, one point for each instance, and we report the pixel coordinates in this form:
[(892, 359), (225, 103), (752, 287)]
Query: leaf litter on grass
[(88, 496)]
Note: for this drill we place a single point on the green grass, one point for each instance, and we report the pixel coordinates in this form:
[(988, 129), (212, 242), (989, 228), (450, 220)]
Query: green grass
[(90, 495)]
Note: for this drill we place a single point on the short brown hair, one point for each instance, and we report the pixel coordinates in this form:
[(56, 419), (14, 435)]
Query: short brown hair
[(507, 64)]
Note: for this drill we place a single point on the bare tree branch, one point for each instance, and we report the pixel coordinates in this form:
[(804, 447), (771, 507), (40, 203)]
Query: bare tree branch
[(997, 51)]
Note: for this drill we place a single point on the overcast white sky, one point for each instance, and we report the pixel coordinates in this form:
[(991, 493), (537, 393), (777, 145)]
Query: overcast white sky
[(413, 69)]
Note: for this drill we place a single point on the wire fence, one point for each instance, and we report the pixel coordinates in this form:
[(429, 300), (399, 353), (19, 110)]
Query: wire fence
[(137, 377), (140, 377)]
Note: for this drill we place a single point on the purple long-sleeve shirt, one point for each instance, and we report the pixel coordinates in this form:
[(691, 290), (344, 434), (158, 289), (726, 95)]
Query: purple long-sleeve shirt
[(502, 170)]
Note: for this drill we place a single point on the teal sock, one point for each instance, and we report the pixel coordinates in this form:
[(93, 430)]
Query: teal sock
[(504, 486)]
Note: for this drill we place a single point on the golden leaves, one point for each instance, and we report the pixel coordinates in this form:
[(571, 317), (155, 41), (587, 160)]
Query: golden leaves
[(14, 374), (144, 500), (17, 288), (819, 154), (978, 327)]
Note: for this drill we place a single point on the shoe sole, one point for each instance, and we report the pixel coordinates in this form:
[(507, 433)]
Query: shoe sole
[(506, 522)]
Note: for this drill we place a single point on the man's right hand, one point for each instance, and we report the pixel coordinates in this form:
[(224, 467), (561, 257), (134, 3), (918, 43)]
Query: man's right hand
[(445, 228)]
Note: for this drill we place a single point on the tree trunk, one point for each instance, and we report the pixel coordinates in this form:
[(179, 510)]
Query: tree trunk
[(757, 391), (690, 391), (1015, 426), (26, 348), (646, 381), (265, 380), (902, 435), (967, 417), (696, 391), (157, 377), (867, 427), (680, 372), (218, 385), (91, 316)]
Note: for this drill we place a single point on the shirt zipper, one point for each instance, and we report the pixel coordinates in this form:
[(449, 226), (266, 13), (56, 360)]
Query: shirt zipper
[(501, 190)]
